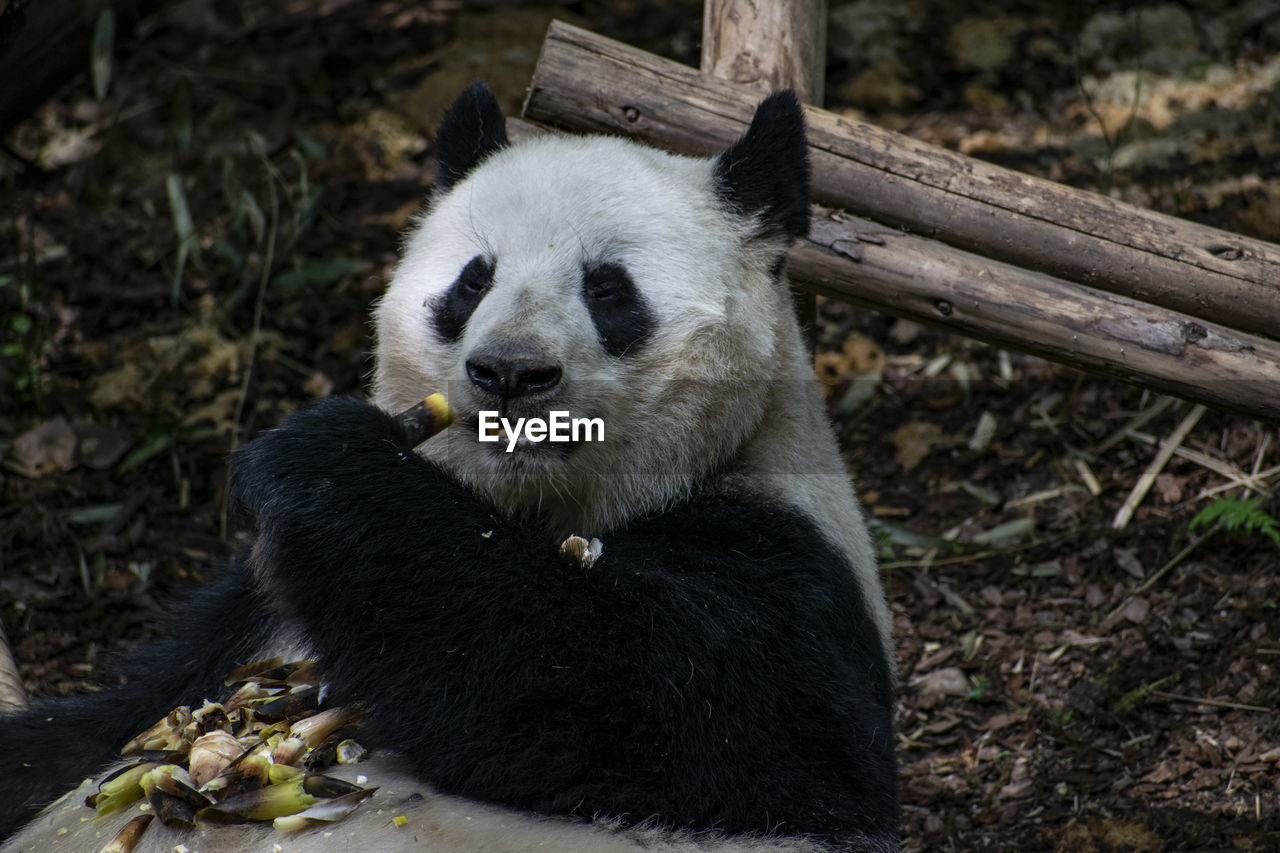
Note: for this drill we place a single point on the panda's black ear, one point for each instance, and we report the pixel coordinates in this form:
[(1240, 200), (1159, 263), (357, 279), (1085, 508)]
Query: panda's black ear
[(766, 172), (472, 129)]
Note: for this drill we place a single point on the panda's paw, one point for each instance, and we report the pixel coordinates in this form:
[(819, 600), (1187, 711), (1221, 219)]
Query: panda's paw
[(323, 454)]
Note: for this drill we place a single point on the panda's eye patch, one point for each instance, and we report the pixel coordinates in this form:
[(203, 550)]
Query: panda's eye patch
[(606, 281), (477, 275), (451, 310), (622, 319)]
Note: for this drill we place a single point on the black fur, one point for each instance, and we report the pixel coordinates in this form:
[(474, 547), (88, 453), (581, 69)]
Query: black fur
[(506, 378), (619, 312), (451, 310), (47, 750), (472, 129), (715, 668), (766, 172)]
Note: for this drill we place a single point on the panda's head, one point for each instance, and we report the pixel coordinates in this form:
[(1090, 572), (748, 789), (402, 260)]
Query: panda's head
[(605, 279)]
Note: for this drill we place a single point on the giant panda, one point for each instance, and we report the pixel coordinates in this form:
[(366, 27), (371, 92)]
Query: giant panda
[(719, 677)]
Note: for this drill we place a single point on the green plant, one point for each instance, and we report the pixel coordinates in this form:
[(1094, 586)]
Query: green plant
[(1233, 513), (20, 347)]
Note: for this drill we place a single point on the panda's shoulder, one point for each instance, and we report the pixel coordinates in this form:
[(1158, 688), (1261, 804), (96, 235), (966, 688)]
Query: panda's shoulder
[(739, 530)]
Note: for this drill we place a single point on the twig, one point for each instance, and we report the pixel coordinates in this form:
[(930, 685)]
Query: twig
[(1111, 141), (1137, 422), (1262, 451), (1141, 692), (1167, 567), (1086, 475), (1255, 482), (1204, 460), (1217, 703), (1037, 497), (1148, 477), (1164, 570), (930, 562), (1237, 478)]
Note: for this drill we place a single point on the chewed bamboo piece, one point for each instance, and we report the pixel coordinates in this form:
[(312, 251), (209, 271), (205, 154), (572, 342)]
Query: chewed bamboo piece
[(423, 420), (255, 758)]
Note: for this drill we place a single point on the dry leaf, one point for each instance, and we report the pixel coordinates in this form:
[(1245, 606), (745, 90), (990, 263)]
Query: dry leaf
[(47, 448), (830, 367), (913, 441), (948, 681), (1127, 559), (101, 445), (1170, 487), (864, 354)]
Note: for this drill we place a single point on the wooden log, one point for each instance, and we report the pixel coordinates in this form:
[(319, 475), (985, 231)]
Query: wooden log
[(910, 276), (770, 45), (902, 274), (586, 82), (767, 44)]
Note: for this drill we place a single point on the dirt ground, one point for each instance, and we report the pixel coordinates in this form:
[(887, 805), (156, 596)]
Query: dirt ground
[(194, 254)]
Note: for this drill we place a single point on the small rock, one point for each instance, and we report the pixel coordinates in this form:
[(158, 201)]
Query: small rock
[(1136, 611)]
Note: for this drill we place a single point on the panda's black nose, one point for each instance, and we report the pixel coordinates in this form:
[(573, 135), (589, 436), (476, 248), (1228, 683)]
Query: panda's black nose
[(509, 378)]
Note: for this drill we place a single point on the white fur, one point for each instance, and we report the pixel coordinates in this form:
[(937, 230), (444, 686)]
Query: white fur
[(723, 397)]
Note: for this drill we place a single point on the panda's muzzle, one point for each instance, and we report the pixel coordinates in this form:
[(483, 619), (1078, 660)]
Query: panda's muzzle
[(509, 378)]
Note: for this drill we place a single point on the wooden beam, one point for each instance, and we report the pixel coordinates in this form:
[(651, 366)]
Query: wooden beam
[(589, 83), (905, 275), (770, 45), (767, 44), (910, 276), (1087, 324)]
